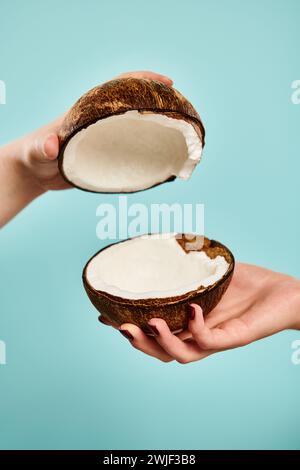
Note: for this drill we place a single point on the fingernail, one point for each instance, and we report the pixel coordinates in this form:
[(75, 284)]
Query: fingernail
[(191, 312), (126, 334), (46, 140), (169, 80), (43, 146), (153, 329)]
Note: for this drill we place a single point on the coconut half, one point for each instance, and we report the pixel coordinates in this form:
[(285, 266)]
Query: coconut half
[(128, 135), (151, 276)]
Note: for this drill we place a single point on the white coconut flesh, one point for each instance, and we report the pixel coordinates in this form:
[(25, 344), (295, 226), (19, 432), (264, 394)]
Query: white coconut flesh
[(130, 152), (151, 267)]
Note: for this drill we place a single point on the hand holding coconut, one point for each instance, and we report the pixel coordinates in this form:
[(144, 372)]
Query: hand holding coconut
[(257, 304), (29, 165)]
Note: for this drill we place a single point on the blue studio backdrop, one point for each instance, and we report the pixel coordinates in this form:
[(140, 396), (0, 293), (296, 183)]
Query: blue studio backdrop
[(68, 381)]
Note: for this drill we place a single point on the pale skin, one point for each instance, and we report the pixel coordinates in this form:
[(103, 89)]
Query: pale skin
[(28, 166), (257, 304)]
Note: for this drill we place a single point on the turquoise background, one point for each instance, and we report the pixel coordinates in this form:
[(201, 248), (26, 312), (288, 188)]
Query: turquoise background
[(72, 383)]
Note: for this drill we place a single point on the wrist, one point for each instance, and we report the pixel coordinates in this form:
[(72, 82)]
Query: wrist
[(18, 152), (17, 186), (296, 306)]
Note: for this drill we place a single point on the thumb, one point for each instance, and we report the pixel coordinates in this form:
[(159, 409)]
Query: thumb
[(232, 333)]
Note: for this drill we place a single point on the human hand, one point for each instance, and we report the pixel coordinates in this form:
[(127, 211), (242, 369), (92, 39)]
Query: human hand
[(29, 166), (258, 303), (40, 149)]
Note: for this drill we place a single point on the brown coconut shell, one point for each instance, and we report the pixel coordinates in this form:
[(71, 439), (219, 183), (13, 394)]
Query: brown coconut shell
[(174, 310), (119, 96)]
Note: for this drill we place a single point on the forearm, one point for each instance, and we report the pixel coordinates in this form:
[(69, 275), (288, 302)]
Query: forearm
[(17, 187)]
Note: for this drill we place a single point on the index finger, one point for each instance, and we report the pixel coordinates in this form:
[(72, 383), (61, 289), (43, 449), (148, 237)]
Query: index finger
[(148, 74)]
